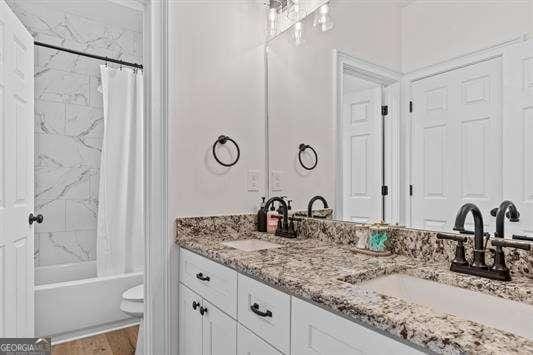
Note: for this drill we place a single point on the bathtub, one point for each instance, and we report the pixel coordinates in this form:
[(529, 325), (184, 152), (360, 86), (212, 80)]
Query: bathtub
[(71, 302)]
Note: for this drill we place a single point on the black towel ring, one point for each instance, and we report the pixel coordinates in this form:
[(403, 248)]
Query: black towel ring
[(222, 140), (302, 149)]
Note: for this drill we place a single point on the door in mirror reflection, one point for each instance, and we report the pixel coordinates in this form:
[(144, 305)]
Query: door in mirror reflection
[(361, 153)]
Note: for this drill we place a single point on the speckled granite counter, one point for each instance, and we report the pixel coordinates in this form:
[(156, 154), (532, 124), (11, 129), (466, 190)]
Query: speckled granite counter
[(328, 272)]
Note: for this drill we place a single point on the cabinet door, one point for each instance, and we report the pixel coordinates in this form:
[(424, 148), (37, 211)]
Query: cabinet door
[(190, 323), (317, 331), (219, 332), (250, 344)]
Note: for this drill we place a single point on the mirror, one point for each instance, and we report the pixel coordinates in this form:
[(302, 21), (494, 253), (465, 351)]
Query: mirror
[(413, 108)]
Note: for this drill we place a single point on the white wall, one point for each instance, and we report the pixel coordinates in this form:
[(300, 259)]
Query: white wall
[(434, 31), (216, 87), (301, 90)]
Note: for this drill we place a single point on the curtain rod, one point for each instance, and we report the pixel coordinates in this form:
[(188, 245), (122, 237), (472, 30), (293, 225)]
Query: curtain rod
[(106, 59)]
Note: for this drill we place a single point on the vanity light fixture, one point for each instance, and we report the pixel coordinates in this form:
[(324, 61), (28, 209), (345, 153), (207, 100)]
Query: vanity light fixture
[(274, 10), (296, 37), (323, 21), (272, 21)]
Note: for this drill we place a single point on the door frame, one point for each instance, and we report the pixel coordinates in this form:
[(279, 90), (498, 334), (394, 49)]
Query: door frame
[(346, 64), (497, 50), (160, 294)]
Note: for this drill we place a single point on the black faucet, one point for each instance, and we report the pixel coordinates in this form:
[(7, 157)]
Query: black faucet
[(479, 247), (498, 271), (507, 208), (284, 229), (312, 201)]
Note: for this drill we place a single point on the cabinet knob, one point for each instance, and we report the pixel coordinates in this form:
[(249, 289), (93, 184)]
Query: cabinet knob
[(39, 218), (195, 305), (203, 310)]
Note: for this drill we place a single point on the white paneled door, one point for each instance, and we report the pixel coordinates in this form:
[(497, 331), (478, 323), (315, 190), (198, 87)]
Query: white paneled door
[(362, 155), (16, 177), (518, 135), (456, 144)]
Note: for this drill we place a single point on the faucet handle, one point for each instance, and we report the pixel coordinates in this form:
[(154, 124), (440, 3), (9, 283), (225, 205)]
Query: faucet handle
[(457, 238), (494, 213), (500, 242)]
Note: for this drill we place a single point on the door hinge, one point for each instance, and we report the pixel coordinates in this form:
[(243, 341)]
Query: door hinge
[(410, 190), (384, 190), (384, 110), (411, 106)]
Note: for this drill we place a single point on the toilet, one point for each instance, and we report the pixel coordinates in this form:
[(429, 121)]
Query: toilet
[(133, 305)]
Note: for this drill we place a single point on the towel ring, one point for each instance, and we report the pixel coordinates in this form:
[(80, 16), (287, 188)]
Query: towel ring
[(222, 140), (302, 148)]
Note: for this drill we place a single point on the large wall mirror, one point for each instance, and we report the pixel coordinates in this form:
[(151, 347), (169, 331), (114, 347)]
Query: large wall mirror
[(403, 111)]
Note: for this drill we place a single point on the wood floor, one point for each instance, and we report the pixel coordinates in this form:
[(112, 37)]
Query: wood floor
[(117, 342)]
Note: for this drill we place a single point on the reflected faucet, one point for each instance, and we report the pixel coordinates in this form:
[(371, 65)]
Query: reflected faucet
[(312, 201), (284, 228), (479, 247)]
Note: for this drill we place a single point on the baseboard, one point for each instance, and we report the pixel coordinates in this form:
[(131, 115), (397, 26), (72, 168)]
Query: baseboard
[(91, 331)]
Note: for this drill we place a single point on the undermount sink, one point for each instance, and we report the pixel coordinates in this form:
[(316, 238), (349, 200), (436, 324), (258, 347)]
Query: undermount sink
[(250, 245), (492, 311)]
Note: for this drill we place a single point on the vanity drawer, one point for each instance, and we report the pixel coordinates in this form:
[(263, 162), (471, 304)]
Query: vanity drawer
[(266, 311), (214, 282)]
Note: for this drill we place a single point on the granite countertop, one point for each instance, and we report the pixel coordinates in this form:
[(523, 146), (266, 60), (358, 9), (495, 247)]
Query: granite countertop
[(328, 274)]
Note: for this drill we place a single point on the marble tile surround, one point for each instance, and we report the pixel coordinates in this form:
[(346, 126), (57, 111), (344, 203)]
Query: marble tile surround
[(69, 127)]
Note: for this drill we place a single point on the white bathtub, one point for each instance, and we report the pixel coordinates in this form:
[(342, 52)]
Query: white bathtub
[(70, 302)]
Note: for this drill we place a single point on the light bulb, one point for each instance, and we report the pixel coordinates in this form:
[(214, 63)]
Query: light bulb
[(297, 37), (322, 19), (296, 10), (272, 21)]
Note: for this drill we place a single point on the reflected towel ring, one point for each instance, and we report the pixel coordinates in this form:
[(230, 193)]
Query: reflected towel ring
[(222, 140), (302, 149)]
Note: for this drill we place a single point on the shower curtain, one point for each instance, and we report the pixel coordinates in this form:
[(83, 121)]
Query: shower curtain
[(120, 234)]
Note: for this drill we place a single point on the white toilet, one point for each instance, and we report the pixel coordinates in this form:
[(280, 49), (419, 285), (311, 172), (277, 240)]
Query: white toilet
[(133, 305)]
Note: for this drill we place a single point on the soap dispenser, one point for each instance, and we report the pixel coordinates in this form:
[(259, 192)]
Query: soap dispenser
[(262, 217)]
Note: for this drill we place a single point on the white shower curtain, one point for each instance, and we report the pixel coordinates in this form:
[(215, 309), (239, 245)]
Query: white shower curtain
[(120, 199)]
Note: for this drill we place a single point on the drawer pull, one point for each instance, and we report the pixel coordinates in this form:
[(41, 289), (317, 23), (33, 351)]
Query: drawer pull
[(195, 305), (203, 310), (255, 309), (201, 277)]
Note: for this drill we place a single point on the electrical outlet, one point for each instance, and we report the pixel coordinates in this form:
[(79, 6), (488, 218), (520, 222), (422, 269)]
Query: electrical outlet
[(277, 184), (252, 180)]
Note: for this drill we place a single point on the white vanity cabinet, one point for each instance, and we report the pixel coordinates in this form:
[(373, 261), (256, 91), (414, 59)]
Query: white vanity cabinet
[(203, 328), (242, 316)]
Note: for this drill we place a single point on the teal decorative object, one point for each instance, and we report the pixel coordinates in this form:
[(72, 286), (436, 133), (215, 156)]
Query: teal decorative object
[(378, 240)]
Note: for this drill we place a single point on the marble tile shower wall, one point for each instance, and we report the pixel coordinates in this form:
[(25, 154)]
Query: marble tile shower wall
[(69, 127)]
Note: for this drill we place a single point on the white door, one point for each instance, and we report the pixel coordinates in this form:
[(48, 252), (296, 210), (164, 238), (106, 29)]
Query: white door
[(457, 144), (362, 156), (190, 322), (16, 177), (518, 136), (219, 332)]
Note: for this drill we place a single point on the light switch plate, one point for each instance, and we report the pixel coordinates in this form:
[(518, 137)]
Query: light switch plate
[(252, 180), (277, 183)]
